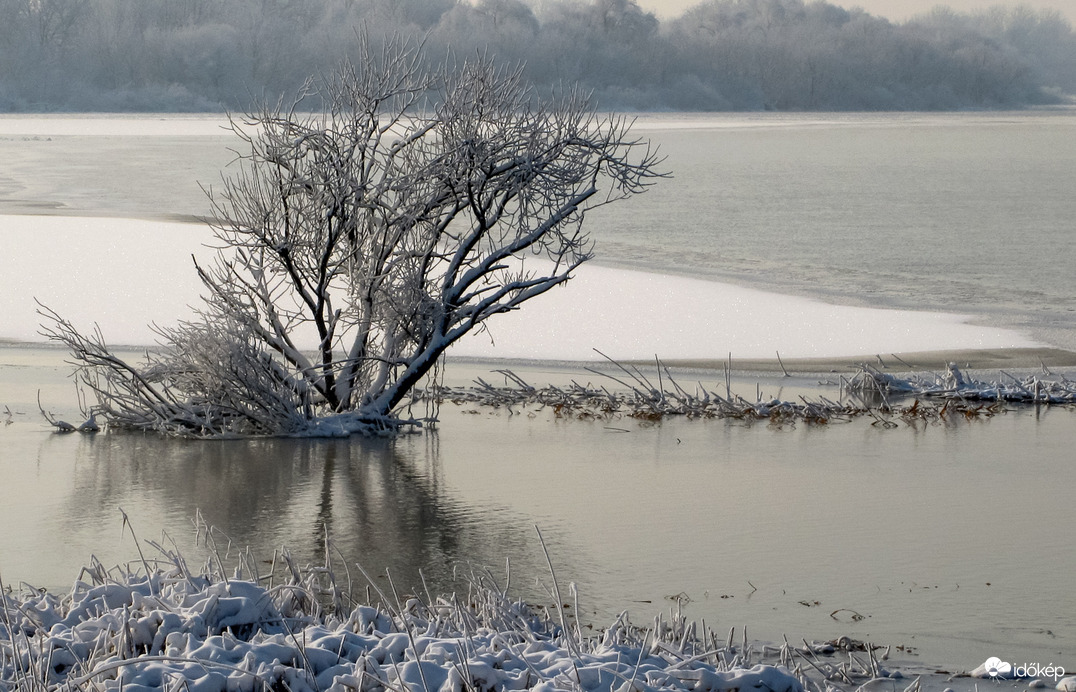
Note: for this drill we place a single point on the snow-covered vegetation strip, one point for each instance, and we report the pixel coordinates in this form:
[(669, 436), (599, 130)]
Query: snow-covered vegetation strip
[(656, 394), (170, 629), (239, 623), (953, 384)]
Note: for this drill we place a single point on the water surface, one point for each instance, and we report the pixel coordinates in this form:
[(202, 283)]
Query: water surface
[(951, 539), (958, 212)]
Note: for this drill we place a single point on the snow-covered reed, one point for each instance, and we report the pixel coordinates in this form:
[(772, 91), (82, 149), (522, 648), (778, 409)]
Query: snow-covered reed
[(954, 384), (237, 623), (160, 625), (870, 393)]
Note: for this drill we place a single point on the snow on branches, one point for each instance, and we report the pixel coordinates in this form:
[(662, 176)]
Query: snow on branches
[(359, 242)]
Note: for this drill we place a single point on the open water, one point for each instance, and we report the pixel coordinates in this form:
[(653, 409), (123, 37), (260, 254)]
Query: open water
[(953, 541), (965, 212)]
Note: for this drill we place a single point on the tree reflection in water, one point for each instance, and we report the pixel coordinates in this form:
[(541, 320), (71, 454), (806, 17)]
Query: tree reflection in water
[(382, 502)]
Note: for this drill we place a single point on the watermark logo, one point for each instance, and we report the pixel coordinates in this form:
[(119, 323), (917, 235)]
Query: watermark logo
[(997, 669)]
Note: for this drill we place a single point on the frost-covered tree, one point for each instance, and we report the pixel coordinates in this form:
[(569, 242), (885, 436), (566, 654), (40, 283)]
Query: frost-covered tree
[(359, 243)]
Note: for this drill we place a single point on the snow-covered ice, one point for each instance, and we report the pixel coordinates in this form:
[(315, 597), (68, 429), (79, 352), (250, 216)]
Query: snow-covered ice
[(637, 315), (125, 274), (112, 125)]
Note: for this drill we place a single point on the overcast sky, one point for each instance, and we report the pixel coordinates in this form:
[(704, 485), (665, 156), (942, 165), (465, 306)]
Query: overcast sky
[(891, 9)]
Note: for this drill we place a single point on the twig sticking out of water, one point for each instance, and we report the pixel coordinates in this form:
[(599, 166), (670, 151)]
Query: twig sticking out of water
[(782, 364), (61, 426)]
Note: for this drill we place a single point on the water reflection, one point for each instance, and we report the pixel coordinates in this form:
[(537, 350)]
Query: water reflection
[(381, 502), (952, 538)]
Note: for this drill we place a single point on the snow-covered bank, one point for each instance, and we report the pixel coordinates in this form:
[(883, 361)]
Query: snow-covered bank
[(175, 630), (172, 628), (125, 274)]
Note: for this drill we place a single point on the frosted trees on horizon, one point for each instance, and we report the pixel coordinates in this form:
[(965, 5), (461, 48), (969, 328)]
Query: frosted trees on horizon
[(162, 55)]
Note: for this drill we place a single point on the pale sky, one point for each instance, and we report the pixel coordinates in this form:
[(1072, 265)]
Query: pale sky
[(891, 9)]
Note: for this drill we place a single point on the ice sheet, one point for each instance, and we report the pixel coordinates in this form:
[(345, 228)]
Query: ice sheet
[(125, 274)]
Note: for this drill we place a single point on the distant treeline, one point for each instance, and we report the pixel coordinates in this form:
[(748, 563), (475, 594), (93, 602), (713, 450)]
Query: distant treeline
[(196, 55)]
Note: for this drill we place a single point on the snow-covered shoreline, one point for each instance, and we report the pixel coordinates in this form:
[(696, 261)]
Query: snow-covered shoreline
[(170, 627)]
